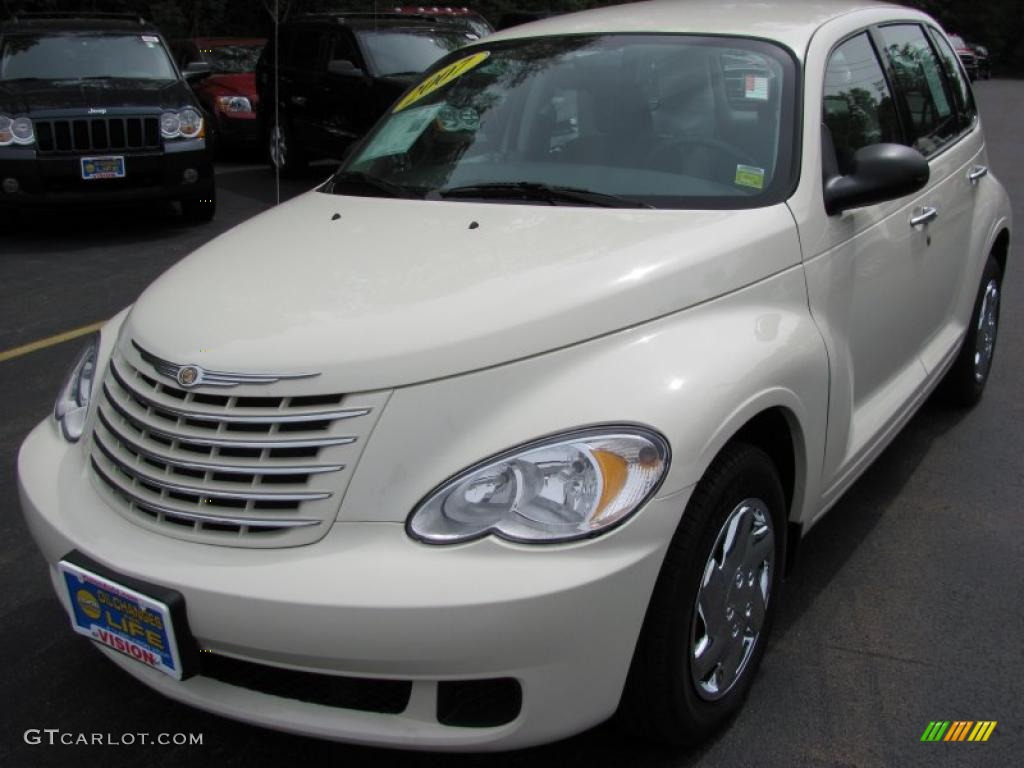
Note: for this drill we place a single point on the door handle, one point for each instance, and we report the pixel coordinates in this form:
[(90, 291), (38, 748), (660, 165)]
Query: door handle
[(927, 214), (976, 173), (298, 100)]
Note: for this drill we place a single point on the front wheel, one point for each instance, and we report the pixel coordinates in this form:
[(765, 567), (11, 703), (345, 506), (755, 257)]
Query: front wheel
[(711, 611), (965, 382), (285, 153)]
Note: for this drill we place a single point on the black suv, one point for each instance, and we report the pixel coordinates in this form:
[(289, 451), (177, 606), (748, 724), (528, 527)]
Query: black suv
[(94, 111), (338, 73)]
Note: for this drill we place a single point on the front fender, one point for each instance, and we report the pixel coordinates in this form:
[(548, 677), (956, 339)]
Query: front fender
[(696, 376)]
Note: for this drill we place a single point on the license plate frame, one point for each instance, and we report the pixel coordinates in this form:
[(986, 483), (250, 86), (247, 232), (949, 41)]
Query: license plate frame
[(103, 167), (144, 622)]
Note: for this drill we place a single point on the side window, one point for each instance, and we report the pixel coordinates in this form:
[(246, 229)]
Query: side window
[(858, 106), (951, 64), (919, 78), (343, 47), (304, 49)]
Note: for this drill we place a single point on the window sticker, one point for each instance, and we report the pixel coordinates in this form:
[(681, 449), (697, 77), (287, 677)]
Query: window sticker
[(755, 87), (453, 119), (400, 133), (750, 176), (441, 78)]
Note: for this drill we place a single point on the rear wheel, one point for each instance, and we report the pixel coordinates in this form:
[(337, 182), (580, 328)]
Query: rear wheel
[(709, 617), (199, 209), (965, 382), (285, 154)]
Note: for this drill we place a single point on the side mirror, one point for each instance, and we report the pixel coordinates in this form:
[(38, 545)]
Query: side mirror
[(197, 70), (344, 67), (880, 172)]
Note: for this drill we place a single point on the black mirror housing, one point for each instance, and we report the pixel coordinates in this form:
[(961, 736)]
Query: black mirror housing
[(880, 172), (197, 70), (344, 67)]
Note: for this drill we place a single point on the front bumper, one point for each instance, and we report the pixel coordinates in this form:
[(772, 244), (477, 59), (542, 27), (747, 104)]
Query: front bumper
[(56, 180), (240, 131), (366, 601)]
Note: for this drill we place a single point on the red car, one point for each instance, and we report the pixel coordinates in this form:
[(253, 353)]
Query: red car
[(228, 91)]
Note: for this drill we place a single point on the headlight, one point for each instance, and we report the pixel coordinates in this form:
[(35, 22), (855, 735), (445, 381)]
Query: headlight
[(563, 488), (187, 123), (234, 104), (21, 127), (73, 401), (170, 125), (191, 123), (16, 131)]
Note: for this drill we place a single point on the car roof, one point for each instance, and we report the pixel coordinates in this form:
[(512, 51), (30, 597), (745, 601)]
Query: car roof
[(370, 21), (29, 23), (791, 22)]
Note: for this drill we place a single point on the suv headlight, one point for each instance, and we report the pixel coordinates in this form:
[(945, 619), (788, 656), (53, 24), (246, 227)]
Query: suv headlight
[(73, 401), (567, 487), (16, 130), (234, 104), (185, 123)]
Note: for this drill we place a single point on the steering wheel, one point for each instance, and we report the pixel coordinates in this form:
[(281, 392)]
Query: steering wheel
[(721, 147)]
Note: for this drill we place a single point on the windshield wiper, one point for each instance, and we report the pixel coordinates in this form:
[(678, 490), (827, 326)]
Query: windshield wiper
[(365, 181), (533, 190)]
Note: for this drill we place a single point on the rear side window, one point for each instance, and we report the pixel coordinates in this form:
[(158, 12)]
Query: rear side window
[(954, 72), (919, 77), (303, 49), (858, 106)]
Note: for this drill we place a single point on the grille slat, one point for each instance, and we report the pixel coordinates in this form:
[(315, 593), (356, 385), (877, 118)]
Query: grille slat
[(201, 518), (242, 470), (97, 134), (208, 490)]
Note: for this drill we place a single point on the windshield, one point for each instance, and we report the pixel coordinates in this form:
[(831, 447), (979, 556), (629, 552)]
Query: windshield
[(410, 51), (71, 56), (663, 120), (233, 59)]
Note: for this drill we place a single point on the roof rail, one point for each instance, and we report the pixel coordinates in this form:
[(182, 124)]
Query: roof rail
[(86, 15)]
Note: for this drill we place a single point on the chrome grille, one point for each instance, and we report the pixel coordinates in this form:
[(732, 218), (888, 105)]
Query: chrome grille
[(250, 470), (97, 134)]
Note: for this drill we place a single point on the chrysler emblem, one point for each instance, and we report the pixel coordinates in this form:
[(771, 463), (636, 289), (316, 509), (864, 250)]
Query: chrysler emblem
[(188, 375)]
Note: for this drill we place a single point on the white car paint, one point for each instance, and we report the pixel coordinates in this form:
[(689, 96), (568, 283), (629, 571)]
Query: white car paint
[(468, 343)]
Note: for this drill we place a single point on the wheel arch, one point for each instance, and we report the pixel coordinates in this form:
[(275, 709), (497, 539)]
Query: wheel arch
[(1001, 249)]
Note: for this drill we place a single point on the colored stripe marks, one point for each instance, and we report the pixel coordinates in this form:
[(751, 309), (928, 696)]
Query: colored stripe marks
[(958, 730)]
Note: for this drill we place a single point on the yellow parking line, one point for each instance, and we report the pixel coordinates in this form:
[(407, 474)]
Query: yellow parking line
[(50, 341)]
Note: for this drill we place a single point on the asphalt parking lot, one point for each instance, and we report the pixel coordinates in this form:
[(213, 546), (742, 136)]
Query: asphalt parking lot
[(904, 608)]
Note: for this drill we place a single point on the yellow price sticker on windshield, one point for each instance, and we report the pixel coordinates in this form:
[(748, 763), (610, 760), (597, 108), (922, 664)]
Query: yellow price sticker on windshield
[(441, 78)]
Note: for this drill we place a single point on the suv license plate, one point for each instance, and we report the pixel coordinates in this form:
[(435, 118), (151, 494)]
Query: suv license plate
[(111, 167)]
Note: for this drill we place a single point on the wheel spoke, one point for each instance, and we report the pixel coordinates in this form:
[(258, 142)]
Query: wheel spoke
[(708, 659), (736, 541), (732, 658)]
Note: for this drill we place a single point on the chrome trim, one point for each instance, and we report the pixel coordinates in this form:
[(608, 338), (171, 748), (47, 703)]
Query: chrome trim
[(160, 509), (227, 469), (272, 417), (201, 492), (222, 442), (212, 378)]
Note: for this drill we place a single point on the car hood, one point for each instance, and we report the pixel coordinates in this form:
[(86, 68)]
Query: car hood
[(235, 84), (40, 96), (375, 293)]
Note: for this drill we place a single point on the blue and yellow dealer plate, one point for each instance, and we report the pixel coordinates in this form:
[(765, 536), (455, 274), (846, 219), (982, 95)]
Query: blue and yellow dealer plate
[(109, 167), (120, 618)]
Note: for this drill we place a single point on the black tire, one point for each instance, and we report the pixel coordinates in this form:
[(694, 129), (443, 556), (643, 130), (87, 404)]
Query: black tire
[(286, 154), (965, 381), (661, 700), (199, 209)]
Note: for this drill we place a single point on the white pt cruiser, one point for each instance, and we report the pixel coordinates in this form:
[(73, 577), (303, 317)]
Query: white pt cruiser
[(516, 421)]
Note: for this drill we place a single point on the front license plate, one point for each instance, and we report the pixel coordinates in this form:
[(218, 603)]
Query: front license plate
[(128, 621), (111, 167)]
